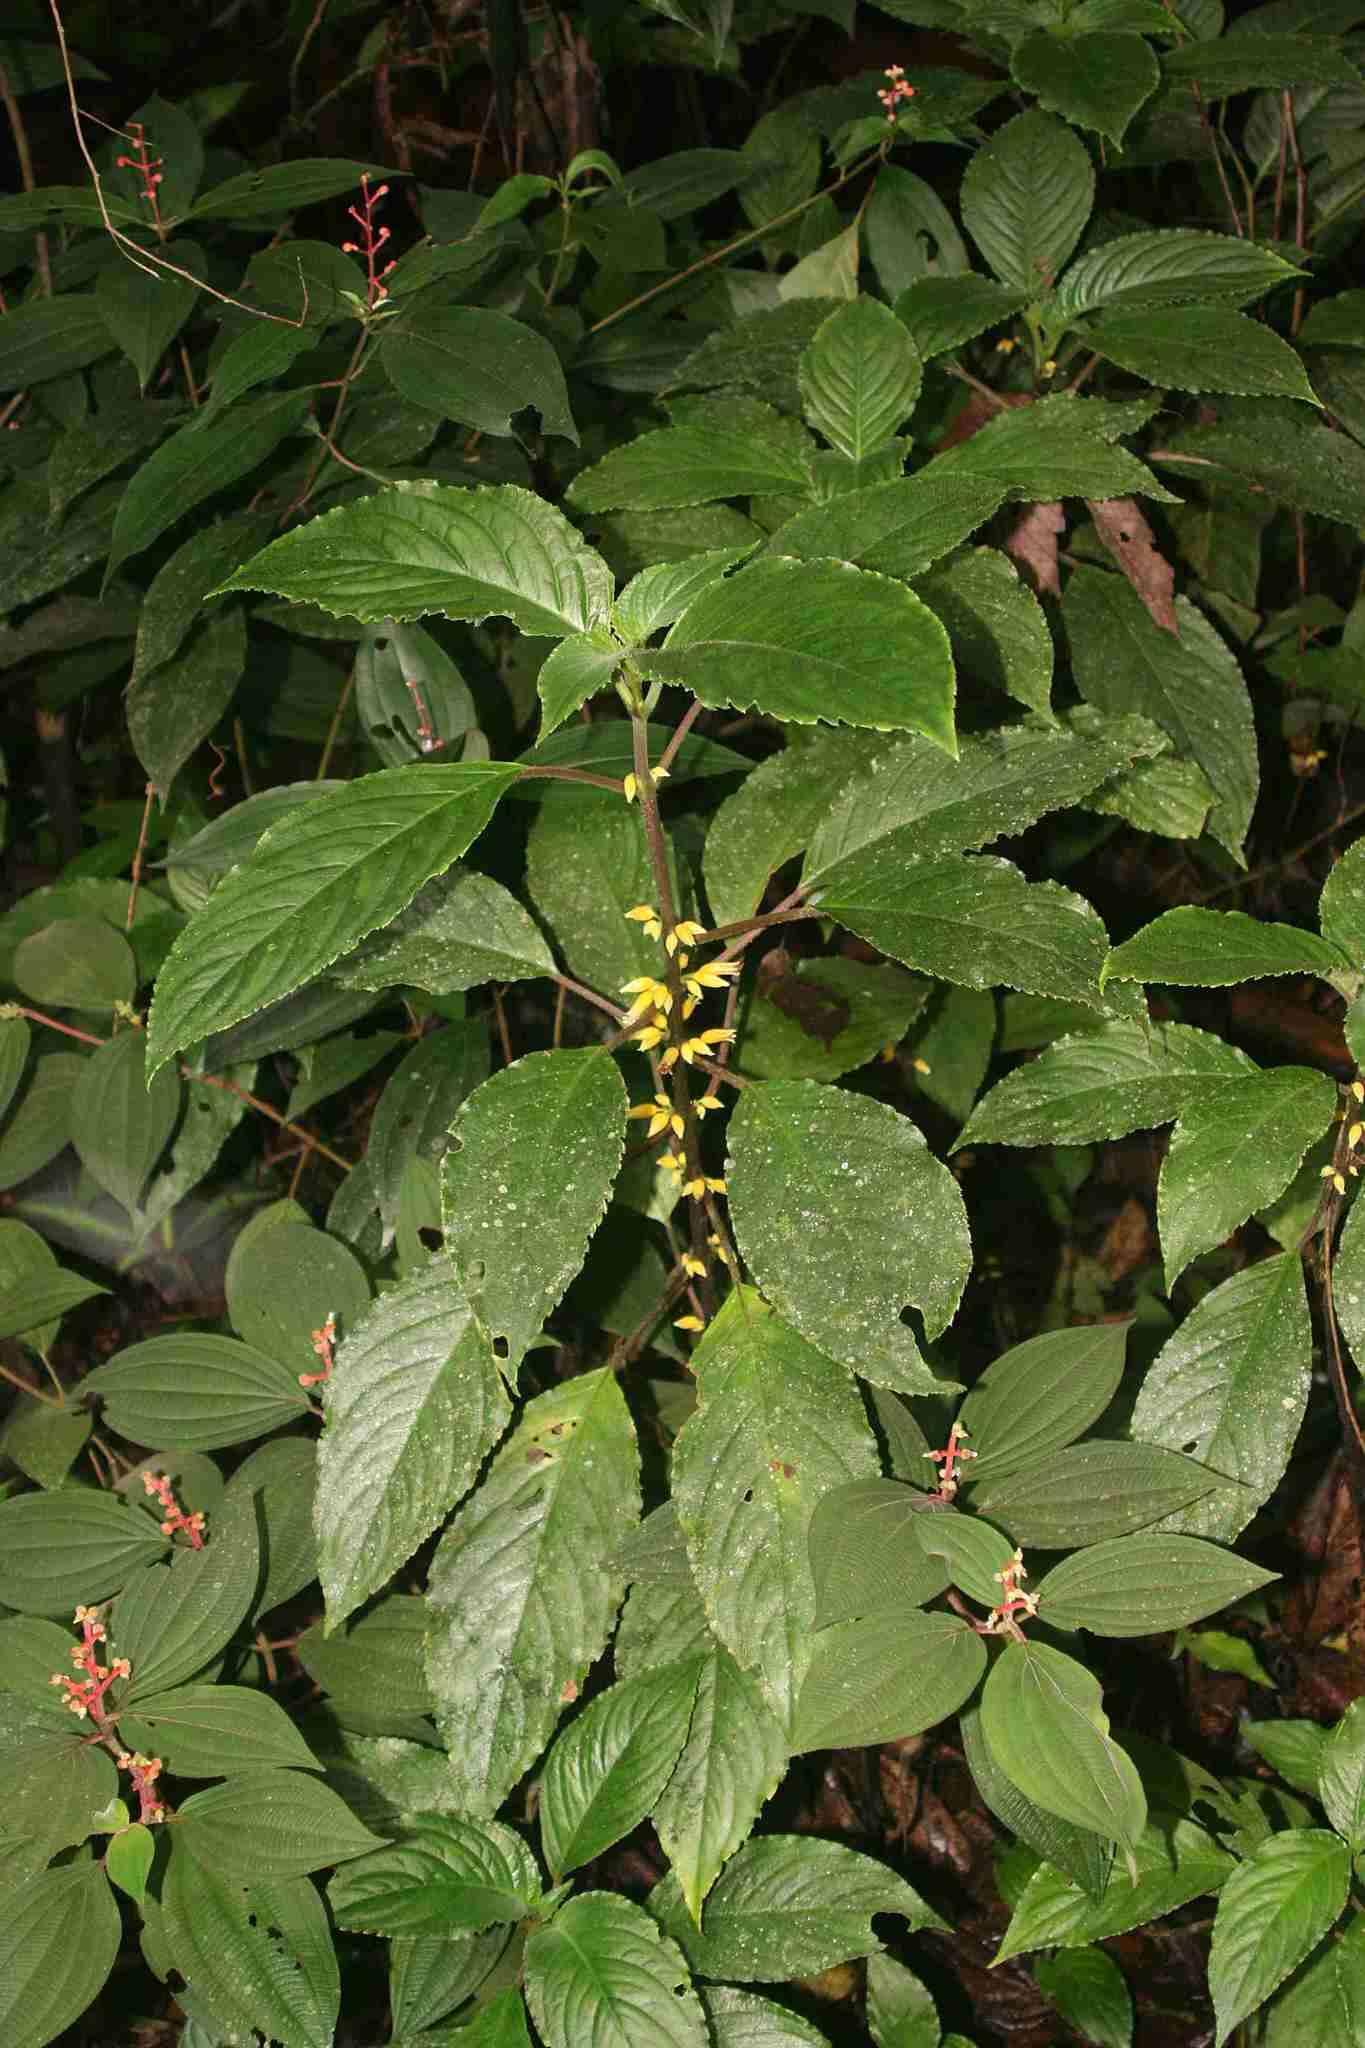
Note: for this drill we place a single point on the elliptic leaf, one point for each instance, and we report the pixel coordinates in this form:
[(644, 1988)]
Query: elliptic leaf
[(173, 707), (1137, 1585), (891, 1674), (840, 1253), (1095, 81), (896, 529), (728, 448), (262, 1826), (1087, 1987), (601, 1975), (1026, 197), (446, 1877), (1201, 348), (259, 1955), (61, 1934), (1176, 1862), (460, 930), (860, 377), (605, 1772), (60, 1548), (1088, 1493), (1041, 1715), (731, 1763), (1272, 1912), (476, 366), (1194, 948), (119, 1124), (197, 1392), (215, 1731)]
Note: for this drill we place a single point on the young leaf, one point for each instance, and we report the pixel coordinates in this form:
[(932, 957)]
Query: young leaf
[(1194, 948), (895, 529), (196, 1392), (1232, 1157), (1176, 1862), (1136, 1585), (731, 448), (1088, 1493), (1230, 1387), (1191, 687), (1025, 199), (788, 1906), (975, 922), (890, 1674), (262, 1826), (731, 1762), (1041, 1715), (577, 669), (120, 1124), (1095, 81), (259, 1954), (606, 1771), (534, 1153), (776, 1426), (860, 377), (1342, 1777), (1087, 1987), (659, 595), (601, 1971), (887, 1226), (446, 1877), (321, 878), (815, 640), (476, 366), (61, 1934), (414, 1405), (520, 1588), (470, 554), (1272, 1912)]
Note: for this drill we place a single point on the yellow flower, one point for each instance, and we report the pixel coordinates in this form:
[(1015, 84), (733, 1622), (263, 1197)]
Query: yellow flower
[(705, 1102), (715, 974), (1049, 368), (668, 1060), (661, 1114), (688, 1323), (690, 1003), (696, 1188), (921, 1066), (631, 784), (684, 933), (673, 1163), (649, 995), (1004, 347), (700, 1047), (652, 1034), (715, 1183), (693, 1267), (646, 915)]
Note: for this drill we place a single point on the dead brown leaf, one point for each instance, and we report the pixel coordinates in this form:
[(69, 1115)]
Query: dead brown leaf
[(1130, 540), (1033, 544)]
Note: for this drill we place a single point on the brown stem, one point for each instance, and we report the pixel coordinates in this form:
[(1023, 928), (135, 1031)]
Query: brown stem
[(38, 1016), (334, 728), (1300, 202), (504, 1038), (754, 925), (22, 151), (1207, 127), (138, 853), (17, 1380), (275, 1116), (680, 732), (626, 1349), (588, 995), (343, 393)]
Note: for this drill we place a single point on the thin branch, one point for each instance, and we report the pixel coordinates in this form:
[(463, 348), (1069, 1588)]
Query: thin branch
[(138, 853), (588, 995), (680, 732), (26, 178), (35, 1393), (754, 925), (275, 1116)]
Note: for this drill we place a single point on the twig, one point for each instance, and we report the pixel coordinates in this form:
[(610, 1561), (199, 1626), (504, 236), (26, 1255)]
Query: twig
[(1274, 867), (35, 1393), (754, 925), (38, 1017), (588, 995), (499, 1011), (22, 151), (680, 732), (1207, 127), (325, 761), (1300, 202), (138, 853), (264, 1109)]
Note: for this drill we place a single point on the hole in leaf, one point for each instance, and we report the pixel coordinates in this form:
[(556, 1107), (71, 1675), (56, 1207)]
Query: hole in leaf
[(501, 1348), (431, 1237)]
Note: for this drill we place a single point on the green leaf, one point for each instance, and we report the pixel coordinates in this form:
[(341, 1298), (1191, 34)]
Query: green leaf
[(776, 1426), (729, 448), (1271, 445), (521, 1591), (215, 1731), (1088, 1989), (1041, 1715), (1219, 1651), (1085, 1857), (120, 1125), (198, 1392), (1194, 948), (171, 609), (1164, 267), (260, 1956), (282, 1477), (909, 804), (410, 698), (36, 1293), (1087, 1493), (887, 1226), (759, 353), (606, 1771), (171, 709), (1176, 1862), (999, 634), (900, 2011), (373, 1668), (40, 1124), (586, 866), (741, 2019), (1095, 81), (1039, 1396), (44, 1441), (51, 338), (865, 1552), (283, 188), (1191, 686), (172, 1619), (1341, 907), (1025, 199), (1238, 63), (266, 350), (788, 1906), (574, 671), (1229, 1158), (494, 551), (476, 366), (128, 1860), (894, 529), (195, 464), (284, 1279), (888, 1675), (973, 1552), (80, 963), (774, 812), (61, 1934), (262, 1826), (974, 922), (446, 1877), (15, 1038), (1293, 1749), (1272, 1912), (534, 1153), (731, 1762), (413, 1407), (320, 879), (1057, 448), (1137, 1585), (1121, 1077), (1202, 348), (860, 377), (1230, 1386), (815, 640), (1342, 1781), (1325, 2001), (430, 1975), (601, 1975), (411, 1126), (659, 595), (145, 309), (55, 1788), (60, 1548), (943, 312), (818, 1019)]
